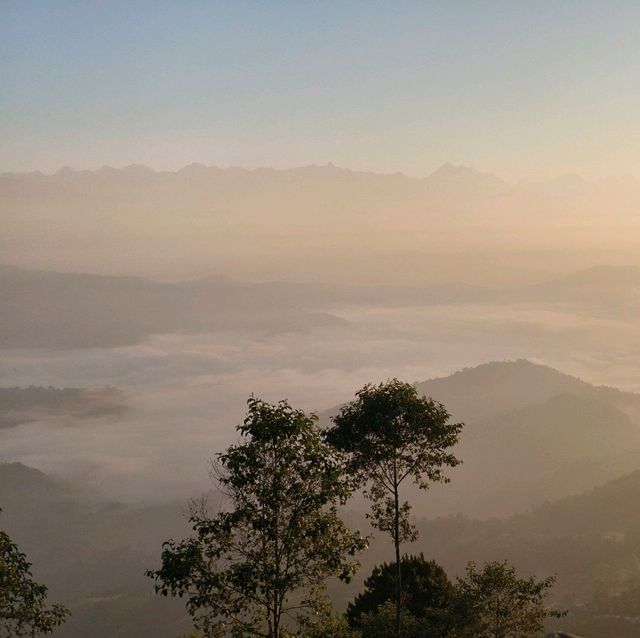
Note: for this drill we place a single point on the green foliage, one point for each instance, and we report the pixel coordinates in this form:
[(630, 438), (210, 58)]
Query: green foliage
[(493, 602), (265, 560), (382, 623), (391, 434), (23, 602), (427, 592), (329, 626)]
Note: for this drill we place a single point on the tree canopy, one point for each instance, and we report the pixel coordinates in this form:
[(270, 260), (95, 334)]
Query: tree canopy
[(23, 602), (427, 591), (260, 565), (493, 602)]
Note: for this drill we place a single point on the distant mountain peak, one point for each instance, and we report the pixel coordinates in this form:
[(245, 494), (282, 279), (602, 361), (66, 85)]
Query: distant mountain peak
[(65, 171), (138, 169), (448, 171), (464, 178), (570, 179), (195, 168), (504, 366), (485, 391)]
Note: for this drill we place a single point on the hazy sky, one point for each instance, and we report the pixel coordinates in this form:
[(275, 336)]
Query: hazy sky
[(537, 88)]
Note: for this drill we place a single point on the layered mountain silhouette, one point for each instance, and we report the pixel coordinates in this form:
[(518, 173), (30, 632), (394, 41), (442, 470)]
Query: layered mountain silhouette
[(73, 310), (93, 553), (531, 434)]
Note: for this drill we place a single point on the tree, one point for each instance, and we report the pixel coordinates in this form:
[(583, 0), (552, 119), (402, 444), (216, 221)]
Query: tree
[(392, 434), (23, 602), (494, 603), (427, 592), (262, 563)]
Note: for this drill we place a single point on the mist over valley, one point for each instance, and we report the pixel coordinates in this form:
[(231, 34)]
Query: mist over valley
[(319, 320)]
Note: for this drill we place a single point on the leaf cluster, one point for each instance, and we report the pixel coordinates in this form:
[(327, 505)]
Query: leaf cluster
[(23, 602)]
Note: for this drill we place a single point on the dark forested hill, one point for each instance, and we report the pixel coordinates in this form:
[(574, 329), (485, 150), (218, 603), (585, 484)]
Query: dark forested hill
[(607, 510), (92, 554), (590, 541)]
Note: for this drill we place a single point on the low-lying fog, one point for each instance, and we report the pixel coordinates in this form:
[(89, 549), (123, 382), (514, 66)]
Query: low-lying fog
[(184, 393)]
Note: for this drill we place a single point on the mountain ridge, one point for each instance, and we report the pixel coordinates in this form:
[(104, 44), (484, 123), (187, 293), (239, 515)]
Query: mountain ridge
[(517, 376), (446, 170)]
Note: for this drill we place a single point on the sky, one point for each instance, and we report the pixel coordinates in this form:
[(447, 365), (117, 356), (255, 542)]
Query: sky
[(521, 89)]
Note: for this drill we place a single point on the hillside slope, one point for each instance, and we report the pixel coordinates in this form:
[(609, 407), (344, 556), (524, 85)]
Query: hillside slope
[(531, 434)]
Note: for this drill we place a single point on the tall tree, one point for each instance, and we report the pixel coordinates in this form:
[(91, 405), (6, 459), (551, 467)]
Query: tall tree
[(390, 435), (23, 602), (262, 563), (493, 602)]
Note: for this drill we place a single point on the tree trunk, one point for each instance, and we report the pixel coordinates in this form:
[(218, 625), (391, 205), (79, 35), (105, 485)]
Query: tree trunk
[(276, 489), (396, 538)]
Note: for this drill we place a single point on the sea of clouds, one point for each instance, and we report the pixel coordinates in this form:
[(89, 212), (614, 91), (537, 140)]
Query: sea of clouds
[(185, 393)]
